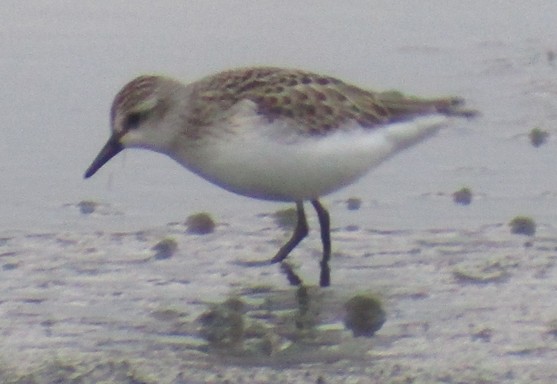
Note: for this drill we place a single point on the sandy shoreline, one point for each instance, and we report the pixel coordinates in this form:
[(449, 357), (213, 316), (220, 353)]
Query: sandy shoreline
[(462, 306)]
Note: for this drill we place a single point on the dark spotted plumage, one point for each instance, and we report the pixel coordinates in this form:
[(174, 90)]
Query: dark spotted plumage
[(315, 104)]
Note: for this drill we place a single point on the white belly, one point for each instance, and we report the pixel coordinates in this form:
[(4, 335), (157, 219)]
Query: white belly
[(274, 163)]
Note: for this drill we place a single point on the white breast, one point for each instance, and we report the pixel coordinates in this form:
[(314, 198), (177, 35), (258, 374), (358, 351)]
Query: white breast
[(252, 157)]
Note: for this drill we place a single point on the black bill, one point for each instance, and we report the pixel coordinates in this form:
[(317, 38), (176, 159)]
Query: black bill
[(110, 149)]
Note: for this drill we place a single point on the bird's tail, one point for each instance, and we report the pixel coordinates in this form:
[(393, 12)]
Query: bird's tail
[(401, 106), (453, 106)]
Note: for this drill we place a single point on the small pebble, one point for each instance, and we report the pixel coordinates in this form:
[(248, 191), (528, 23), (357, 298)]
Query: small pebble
[(523, 225), (538, 137), (165, 249), (364, 315), (353, 204), (87, 207), (200, 224), (463, 196)]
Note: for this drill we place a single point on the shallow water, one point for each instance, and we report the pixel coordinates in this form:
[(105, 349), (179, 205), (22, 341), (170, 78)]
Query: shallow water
[(63, 62)]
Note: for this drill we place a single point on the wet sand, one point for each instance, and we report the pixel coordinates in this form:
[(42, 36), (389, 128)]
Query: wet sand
[(474, 306)]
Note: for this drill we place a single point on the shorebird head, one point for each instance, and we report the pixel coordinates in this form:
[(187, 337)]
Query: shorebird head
[(139, 118)]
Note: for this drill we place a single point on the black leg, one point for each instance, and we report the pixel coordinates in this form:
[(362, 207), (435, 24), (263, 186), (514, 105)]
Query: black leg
[(325, 223), (300, 232), (292, 276)]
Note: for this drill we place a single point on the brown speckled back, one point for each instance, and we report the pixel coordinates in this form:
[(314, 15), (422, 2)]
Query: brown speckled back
[(315, 104)]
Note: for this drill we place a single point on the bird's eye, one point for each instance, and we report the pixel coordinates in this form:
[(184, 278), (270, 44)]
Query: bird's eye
[(133, 120)]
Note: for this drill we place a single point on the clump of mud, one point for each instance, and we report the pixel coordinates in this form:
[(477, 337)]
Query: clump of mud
[(200, 224), (523, 225), (463, 196), (364, 315)]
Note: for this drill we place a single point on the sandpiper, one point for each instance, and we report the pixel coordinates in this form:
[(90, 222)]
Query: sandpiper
[(273, 133)]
